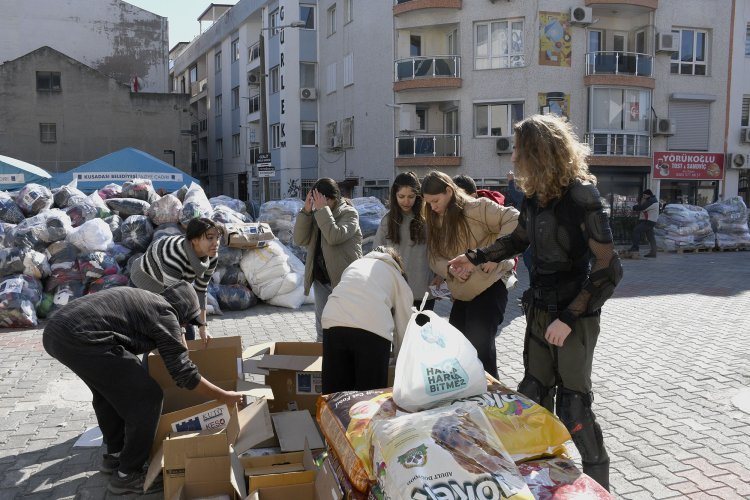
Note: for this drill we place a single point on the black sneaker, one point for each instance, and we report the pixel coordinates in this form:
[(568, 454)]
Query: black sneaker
[(133, 483), (110, 463)]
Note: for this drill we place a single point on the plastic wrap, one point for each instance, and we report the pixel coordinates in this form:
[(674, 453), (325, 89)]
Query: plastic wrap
[(560, 479), (167, 230), (137, 232), (165, 210), (684, 227), (121, 253), (114, 222), (226, 215), (46, 227), (67, 196), (140, 189), (180, 193), (228, 256), (729, 222), (371, 211), (94, 265), (281, 216), (62, 255), (195, 204), (19, 296), (107, 281), (65, 293), (110, 191), (9, 211), (33, 198), (233, 275), (6, 234), (61, 276), (126, 207), (81, 212), (212, 305), (275, 275), (19, 260), (232, 203), (235, 297), (91, 236)]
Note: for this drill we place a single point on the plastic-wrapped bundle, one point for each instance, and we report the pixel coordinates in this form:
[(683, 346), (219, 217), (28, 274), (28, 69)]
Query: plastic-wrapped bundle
[(61, 276), (91, 236), (228, 256), (19, 260), (180, 193), (102, 210), (281, 215), (195, 204), (114, 222), (108, 281), (110, 191), (126, 207), (44, 307), (46, 227), (167, 230), (67, 196), (165, 210), (81, 212), (140, 189), (275, 275), (684, 227), (65, 293), (137, 231), (233, 275), (19, 295), (212, 305), (729, 222), (371, 210), (226, 215), (235, 297), (6, 234), (62, 255), (560, 479), (33, 198), (94, 265), (9, 211), (233, 203), (121, 253)]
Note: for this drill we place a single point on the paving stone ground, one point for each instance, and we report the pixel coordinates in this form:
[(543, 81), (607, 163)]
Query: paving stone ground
[(674, 350)]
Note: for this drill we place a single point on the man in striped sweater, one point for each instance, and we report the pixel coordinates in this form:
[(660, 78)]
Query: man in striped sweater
[(99, 337), (191, 257)]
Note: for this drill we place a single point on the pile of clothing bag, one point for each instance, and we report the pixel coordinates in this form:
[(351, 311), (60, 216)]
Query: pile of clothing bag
[(447, 430), (729, 223), (684, 227)]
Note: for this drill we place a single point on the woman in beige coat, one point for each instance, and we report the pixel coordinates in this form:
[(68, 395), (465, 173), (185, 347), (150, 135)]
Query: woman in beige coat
[(329, 226), (455, 222)]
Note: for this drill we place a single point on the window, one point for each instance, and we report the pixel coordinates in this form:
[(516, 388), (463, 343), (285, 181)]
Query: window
[(498, 44), (253, 52), (217, 62), (331, 20), (274, 74), (48, 132), (235, 145), (595, 41), (331, 78), (193, 74), (616, 109), (275, 136), (421, 119), (348, 4), (747, 40), (253, 154), (235, 50), (273, 21), (307, 16), (307, 75), (691, 58), (219, 149), (495, 120), (347, 132), (218, 105), (275, 187), (306, 186), (415, 45), (348, 70), (377, 188), (309, 136), (48, 81), (235, 98), (744, 122)]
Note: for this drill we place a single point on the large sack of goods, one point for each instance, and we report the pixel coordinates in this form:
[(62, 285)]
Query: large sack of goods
[(559, 479), (10, 212), (33, 198), (275, 275), (136, 231), (110, 191), (684, 227), (92, 236), (19, 260), (19, 296), (42, 229), (729, 222), (67, 196), (443, 453), (232, 203), (281, 215), (165, 210), (371, 210), (140, 189), (125, 207), (195, 205)]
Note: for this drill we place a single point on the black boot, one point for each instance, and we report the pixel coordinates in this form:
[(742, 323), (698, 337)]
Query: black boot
[(598, 472)]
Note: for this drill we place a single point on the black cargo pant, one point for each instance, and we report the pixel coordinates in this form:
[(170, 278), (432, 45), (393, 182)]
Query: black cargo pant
[(354, 360), (127, 401)]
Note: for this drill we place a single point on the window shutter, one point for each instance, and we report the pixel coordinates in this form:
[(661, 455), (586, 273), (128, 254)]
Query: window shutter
[(692, 120)]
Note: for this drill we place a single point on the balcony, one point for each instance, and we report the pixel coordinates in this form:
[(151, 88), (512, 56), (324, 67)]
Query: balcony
[(427, 72), (254, 104), (428, 150), (198, 89), (253, 56), (619, 63), (619, 144), (403, 6)]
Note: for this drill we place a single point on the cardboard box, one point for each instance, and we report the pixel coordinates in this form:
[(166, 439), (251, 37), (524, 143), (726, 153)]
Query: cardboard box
[(295, 430), (291, 369), (208, 476), (184, 445), (247, 236), (305, 491)]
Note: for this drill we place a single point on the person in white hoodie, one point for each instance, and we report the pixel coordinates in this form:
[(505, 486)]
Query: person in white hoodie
[(366, 313)]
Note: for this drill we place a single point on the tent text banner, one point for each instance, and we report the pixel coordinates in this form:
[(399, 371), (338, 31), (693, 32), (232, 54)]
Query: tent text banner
[(12, 179), (126, 176), (688, 165)]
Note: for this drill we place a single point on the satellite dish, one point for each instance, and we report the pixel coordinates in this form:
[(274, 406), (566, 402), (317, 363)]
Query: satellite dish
[(136, 84)]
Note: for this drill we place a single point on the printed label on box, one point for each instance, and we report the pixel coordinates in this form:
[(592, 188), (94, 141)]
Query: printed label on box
[(309, 383), (215, 418)]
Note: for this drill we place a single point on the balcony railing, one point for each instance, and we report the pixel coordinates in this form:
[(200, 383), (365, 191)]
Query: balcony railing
[(254, 102), (428, 145), (413, 68), (619, 144), (198, 87), (619, 63)]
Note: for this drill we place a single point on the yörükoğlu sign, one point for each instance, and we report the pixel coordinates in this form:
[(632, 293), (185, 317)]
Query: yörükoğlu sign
[(688, 165)]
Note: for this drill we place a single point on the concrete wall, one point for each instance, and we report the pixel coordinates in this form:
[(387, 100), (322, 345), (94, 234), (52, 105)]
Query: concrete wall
[(94, 115), (112, 36)]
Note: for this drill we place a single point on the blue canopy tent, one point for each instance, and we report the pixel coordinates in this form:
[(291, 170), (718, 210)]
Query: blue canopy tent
[(15, 174), (124, 165)]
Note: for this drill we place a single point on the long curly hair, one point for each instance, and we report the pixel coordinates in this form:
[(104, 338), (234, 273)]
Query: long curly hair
[(447, 232), (395, 217), (549, 157)]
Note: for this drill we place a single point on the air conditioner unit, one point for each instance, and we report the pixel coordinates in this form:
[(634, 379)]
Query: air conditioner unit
[(581, 15), (738, 161), (308, 93), (665, 126), (504, 145), (667, 42), (252, 78), (744, 134)]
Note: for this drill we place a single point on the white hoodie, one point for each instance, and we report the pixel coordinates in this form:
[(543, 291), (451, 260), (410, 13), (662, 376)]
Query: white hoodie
[(373, 296)]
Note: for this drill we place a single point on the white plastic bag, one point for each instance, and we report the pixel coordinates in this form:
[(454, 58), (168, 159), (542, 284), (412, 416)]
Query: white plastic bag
[(435, 364)]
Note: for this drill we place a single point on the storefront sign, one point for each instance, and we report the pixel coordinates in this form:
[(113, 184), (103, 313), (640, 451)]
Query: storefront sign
[(688, 165)]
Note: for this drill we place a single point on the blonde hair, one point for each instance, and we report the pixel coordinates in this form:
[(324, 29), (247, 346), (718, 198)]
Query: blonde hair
[(447, 232), (549, 157)]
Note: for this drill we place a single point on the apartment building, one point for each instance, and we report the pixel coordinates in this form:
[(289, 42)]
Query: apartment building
[(738, 112)]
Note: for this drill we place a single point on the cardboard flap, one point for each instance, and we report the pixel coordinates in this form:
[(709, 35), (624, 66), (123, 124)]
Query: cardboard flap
[(291, 362), (258, 350), (254, 426), (327, 486), (251, 366), (208, 476), (154, 468), (296, 428), (237, 477), (254, 390)]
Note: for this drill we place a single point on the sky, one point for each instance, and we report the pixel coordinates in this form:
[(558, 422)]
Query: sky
[(182, 15)]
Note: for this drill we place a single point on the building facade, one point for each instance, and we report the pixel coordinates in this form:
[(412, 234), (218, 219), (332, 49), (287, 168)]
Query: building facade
[(738, 109), (59, 113)]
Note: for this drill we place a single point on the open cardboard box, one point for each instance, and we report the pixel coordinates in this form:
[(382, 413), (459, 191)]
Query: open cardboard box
[(210, 476), (248, 235), (291, 369)]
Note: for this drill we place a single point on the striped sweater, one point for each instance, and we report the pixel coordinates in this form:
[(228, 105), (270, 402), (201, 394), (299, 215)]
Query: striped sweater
[(169, 260)]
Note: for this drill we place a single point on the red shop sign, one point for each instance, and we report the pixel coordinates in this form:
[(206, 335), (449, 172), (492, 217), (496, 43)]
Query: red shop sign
[(688, 165)]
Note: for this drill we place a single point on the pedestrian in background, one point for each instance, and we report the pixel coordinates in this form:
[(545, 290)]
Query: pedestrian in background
[(648, 206), (329, 226), (99, 337), (455, 222), (367, 311), (191, 258), (515, 196), (403, 229), (468, 184), (575, 271)]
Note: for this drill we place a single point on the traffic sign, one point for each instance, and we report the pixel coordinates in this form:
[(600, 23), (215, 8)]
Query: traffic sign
[(263, 158), (266, 170)]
